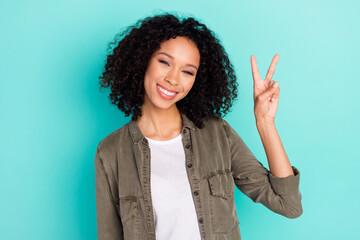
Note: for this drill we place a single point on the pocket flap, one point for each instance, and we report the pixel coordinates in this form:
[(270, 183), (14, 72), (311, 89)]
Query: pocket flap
[(222, 185), (128, 208)]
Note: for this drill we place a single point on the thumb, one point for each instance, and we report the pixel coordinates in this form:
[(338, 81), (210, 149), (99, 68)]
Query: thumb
[(273, 86)]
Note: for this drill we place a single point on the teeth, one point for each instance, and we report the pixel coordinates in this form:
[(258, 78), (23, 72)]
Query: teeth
[(166, 92)]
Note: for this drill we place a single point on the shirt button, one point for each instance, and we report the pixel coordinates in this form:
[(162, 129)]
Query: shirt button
[(187, 146), (196, 193), (189, 165), (184, 131), (201, 220)]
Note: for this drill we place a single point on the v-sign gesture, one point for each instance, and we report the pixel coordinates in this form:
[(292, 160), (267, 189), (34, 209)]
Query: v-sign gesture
[(266, 92)]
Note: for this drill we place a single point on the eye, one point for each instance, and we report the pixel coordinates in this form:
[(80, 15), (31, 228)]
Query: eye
[(162, 61), (189, 73)]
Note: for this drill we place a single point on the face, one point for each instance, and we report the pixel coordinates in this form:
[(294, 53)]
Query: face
[(171, 73)]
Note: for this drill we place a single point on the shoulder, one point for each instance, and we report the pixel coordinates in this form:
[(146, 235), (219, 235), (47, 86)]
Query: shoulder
[(214, 129), (215, 124), (114, 141), (220, 128)]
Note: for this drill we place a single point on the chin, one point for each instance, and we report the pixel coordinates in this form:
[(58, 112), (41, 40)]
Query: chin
[(165, 106)]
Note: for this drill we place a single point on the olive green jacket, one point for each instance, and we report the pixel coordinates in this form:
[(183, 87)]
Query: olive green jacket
[(217, 159)]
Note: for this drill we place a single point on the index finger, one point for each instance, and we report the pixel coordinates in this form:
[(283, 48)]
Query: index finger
[(271, 70), (254, 68)]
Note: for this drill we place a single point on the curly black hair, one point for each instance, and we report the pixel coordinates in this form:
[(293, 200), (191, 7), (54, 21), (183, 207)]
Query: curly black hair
[(215, 85)]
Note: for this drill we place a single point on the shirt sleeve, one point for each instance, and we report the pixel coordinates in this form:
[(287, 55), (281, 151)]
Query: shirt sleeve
[(279, 194), (109, 226)]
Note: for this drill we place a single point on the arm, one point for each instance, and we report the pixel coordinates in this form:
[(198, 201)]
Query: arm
[(278, 161), (109, 226), (280, 195), (266, 100)]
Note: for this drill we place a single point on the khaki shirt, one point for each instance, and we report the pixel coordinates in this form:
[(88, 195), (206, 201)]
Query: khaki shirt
[(216, 160)]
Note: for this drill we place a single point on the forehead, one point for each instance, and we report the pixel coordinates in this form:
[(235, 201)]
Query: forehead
[(181, 48)]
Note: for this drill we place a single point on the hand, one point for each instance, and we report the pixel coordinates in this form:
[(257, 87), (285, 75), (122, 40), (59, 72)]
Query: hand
[(266, 92)]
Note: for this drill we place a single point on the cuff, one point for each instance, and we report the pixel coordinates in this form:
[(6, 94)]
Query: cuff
[(286, 185)]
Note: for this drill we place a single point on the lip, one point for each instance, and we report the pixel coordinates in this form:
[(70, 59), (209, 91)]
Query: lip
[(167, 88), (163, 95)]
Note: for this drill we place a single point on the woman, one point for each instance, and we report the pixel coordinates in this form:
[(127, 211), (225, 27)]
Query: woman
[(171, 171)]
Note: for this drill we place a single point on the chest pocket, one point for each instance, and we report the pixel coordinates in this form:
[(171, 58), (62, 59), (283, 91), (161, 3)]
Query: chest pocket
[(222, 203)]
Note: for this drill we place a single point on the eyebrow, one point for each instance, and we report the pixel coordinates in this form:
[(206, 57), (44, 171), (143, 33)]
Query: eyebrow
[(190, 65)]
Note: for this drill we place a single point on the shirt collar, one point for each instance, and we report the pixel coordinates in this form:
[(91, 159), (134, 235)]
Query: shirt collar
[(137, 135)]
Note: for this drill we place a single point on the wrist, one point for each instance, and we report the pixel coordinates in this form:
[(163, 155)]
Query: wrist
[(266, 128), (265, 122)]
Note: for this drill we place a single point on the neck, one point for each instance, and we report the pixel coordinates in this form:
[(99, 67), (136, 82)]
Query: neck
[(160, 124)]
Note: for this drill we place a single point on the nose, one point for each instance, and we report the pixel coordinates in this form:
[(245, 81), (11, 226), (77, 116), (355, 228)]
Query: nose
[(172, 77)]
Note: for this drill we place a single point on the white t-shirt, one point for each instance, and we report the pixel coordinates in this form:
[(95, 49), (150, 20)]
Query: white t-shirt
[(174, 210)]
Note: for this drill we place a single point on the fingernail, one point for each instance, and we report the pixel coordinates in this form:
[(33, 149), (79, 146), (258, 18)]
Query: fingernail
[(269, 98), (275, 84), (273, 99)]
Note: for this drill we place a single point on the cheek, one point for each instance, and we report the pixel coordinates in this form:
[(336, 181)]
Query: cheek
[(189, 85), (150, 77), (148, 82), (154, 70)]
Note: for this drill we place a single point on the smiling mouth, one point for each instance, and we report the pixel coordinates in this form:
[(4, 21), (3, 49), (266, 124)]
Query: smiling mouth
[(166, 91), (165, 94)]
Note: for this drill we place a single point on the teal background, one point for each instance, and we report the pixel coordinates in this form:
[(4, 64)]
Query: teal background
[(53, 114)]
